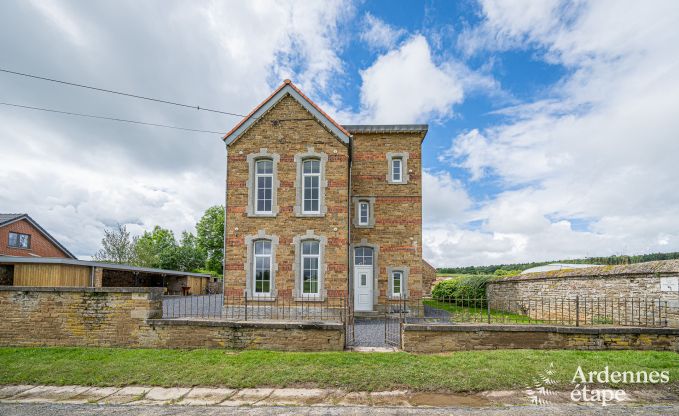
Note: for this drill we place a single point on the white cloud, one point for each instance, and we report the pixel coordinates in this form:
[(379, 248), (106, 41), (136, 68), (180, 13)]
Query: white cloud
[(77, 176), (378, 34), (405, 85), (601, 150)]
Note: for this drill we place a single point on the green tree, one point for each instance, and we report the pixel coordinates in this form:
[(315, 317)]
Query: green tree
[(157, 249), (190, 255), (210, 235), (116, 246)]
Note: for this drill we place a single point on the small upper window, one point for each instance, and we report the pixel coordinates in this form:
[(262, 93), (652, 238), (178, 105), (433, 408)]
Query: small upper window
[(396, 170), (19, 240), (363, 213), (263, 186), (363, 256), (311, 182)]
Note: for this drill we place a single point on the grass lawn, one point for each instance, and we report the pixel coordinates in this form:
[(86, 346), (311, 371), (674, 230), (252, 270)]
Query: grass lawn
[(461, 371), (480, 314)]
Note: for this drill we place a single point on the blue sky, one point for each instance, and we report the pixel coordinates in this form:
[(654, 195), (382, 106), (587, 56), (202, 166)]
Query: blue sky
[(552, 123)]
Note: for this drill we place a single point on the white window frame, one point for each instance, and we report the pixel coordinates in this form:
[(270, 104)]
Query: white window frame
[(263, 175), (363, 220), (400, 283), (311, 175), (255, 256), (394, 162), (316, 256)]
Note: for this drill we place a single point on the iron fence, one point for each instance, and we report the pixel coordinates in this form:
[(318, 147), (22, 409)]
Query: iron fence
[(575, 311), (245, 308)]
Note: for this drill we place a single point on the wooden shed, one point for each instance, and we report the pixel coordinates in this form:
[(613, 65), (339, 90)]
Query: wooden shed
[(60, 272)]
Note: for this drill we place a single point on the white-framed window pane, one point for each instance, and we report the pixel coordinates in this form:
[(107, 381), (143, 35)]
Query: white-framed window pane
[(310, 275), (264, 186), (363, 256), (264, 166), (312, 166), (264, 193), (396, 170), (311, 193), (364, 213), (397, 281), (310, 247)]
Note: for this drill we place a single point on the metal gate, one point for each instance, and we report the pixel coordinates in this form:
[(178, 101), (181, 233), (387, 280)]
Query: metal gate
[(349, 324), (394, 318)]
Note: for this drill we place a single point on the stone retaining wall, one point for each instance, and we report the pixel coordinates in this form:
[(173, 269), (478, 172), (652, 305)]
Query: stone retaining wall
[(130, 317), (641, 282), (445, 338)]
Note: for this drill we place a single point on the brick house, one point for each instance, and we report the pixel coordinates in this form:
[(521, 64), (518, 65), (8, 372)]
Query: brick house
[(316, 210), (21, 236)]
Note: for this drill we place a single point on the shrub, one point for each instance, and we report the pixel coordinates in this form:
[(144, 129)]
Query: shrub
[(462, 287)]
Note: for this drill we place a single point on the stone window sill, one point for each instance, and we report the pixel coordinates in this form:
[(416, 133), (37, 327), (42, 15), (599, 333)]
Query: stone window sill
[(255, 298), (310, 299), (262, 215), (310, 215)]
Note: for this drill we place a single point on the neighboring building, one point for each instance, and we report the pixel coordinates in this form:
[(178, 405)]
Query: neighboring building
[(557, 266), (63, 272), (315, 209), (428, 277), (21, 236)]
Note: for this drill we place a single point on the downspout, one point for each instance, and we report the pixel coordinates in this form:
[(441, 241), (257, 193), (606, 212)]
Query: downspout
[(349, 262), (92, 276), (226, 199)]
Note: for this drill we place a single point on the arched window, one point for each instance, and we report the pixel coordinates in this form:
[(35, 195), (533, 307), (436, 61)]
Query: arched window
[(311, 186), (363, 256), (262, 267), (310, 267), (263, 186)]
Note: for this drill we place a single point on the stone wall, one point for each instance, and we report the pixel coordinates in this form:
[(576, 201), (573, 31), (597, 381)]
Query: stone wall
[(615, 288), (129, 317), (459, 337)]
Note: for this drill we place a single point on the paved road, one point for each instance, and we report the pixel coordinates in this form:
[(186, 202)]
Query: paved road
[(48, 409)]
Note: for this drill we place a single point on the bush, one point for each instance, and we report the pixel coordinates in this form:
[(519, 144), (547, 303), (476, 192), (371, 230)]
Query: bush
[(462, 287)]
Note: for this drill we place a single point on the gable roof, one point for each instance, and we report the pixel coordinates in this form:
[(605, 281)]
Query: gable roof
[(7, 219), (285, 89)]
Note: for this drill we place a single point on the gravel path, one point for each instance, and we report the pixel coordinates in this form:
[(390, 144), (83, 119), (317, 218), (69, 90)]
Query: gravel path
[(369, 332)]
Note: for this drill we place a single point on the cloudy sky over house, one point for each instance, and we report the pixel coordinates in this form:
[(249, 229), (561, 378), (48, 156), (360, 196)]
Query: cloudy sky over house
[(554, 126)]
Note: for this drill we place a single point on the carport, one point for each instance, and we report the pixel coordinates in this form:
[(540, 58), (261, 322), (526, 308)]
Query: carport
[(60, 272)]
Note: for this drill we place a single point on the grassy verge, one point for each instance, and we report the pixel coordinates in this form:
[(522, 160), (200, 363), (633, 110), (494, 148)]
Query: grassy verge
[(480, 314), (462, 371)]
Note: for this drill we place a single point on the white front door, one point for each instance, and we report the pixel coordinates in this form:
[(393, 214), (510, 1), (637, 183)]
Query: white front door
[(363, 288)]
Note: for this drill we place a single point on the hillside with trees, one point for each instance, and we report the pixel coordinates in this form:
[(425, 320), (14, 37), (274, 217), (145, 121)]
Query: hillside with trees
[(505, 269)]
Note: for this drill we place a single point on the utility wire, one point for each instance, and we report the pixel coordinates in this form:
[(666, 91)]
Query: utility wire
[(196, 107), (110, 118)]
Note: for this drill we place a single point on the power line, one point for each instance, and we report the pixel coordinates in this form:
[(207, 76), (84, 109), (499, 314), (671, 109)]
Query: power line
[(141, 97), (122, 120)]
